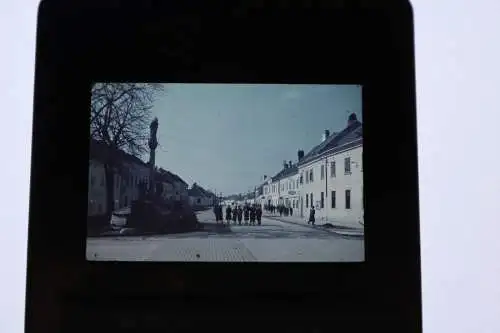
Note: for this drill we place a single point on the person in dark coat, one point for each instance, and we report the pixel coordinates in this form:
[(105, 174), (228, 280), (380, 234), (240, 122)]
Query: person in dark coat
[(252, 215), (228, 214), (291, 211), (280, 209), (240, 215), (235, 214), (216, 213), (259, 214), (312, 217), (247, 214)]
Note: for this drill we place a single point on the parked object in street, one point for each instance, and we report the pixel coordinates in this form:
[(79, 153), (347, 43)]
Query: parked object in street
[(119, 218), (148, 216)]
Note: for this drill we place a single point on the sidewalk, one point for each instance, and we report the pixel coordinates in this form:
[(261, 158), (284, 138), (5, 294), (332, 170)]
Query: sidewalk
[(335, 227)]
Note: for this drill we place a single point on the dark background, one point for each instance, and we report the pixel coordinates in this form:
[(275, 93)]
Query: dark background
[(210, 41)]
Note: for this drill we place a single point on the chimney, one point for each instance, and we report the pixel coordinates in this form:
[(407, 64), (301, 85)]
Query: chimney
[(352, 119), (285, 164), (300, 154), (289, 164), (265, 177), (326, 134)]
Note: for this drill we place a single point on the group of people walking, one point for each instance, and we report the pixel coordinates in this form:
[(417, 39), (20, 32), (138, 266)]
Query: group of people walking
[(281, 209), (288, 211), (250, 214)]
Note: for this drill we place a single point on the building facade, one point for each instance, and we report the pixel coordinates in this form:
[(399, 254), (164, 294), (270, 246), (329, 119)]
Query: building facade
[(199, 197), (128, 177), (286, 182), (331, 177), (170, 185)]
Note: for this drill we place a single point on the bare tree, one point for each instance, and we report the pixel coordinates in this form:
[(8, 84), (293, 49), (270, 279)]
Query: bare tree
[(119, 118)]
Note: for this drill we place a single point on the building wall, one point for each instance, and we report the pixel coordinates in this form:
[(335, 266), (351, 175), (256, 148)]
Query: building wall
[(96, 189), (340, 182), (272, 192), (290, 191), (200, 201), (126, 186), (180, 191)]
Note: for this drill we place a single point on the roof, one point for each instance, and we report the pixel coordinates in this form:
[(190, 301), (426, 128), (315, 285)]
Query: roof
[(198, 191), (169, 177), (100, 151), (286, 172), (349, 136)]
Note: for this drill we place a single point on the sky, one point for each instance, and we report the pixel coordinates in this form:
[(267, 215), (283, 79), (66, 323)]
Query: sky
[(226, 137)]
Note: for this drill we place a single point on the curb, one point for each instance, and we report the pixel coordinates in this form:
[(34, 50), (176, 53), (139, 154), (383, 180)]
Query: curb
[(138, 234), (357, 235)]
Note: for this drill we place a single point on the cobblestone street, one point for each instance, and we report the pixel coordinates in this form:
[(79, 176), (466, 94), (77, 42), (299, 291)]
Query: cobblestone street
[(273, 241)]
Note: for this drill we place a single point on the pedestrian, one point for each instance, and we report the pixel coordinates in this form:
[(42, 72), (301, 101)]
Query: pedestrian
[(216, 213), (235, 214), (220, 213), (240, 215), (259, 215), (252, 215), (312, 218), (280, 209), (291, 211), (228, 214), (246, 214)]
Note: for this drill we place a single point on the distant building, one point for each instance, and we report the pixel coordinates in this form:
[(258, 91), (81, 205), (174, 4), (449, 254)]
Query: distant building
[(331, 176), (170, 185), (200, 197)]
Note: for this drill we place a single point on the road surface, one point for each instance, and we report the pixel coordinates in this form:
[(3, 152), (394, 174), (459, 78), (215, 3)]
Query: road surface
[(273, 241)]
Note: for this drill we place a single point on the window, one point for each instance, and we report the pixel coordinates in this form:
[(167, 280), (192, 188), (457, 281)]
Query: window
[(301, 178), (311, 179), (312, 202), (322, 200), (332, 169), (347, 199), (347, 165), (307, 200), (322, 172), (198, 200), (297, 183), (126, 201)]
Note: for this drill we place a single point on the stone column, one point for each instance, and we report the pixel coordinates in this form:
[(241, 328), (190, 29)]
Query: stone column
[(153, 144)]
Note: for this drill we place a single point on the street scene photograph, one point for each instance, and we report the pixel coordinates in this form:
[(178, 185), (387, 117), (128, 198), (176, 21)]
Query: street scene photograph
[(225, 173)]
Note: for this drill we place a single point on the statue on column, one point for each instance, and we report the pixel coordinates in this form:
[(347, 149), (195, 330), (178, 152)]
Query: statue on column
[(153, 144)]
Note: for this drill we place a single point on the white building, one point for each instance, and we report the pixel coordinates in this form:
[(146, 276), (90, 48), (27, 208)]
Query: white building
[(271, 192), (127, 178), (331, 177)]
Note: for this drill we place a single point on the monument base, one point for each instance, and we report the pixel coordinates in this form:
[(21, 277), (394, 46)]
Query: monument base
[(162, 217)]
